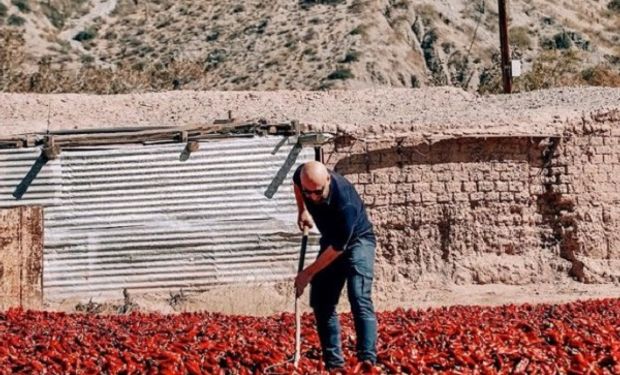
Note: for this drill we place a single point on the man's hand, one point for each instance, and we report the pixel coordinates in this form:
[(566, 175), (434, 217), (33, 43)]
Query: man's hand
[(322, 261), (301, 281), (304, 220)]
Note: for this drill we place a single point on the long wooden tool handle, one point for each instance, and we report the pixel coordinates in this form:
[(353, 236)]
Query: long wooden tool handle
[(302, 252), (297, 334), (302, 257)]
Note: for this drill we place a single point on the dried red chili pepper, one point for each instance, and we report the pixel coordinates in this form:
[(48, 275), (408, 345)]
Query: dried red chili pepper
[(581, 336)]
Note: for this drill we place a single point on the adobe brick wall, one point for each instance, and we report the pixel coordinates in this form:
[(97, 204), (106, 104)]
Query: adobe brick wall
[(502, 209), (586, 174)]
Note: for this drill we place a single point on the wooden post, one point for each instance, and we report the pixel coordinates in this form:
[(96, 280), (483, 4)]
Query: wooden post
[(505, 48), (50, 149)]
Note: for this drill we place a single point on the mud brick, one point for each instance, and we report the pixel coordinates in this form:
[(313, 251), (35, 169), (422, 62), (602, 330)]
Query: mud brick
[(444, 198), (476, 196), (485, 186), (460, 197), (413, 197), (427, 196), (380, 178), (421, 187), (438, 187), (364, 178), (506, 196), (453, 187), (404, 188), (501, 186), (469, 187), (491, 196)]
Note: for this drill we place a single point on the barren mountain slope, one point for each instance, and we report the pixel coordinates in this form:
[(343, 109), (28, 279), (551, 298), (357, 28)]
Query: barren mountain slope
[(315, 44)]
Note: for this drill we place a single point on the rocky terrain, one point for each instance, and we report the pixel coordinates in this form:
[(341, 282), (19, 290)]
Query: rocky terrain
[(114, 46)]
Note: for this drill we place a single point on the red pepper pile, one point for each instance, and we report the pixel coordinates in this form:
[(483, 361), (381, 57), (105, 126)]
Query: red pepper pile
[(577, 338)]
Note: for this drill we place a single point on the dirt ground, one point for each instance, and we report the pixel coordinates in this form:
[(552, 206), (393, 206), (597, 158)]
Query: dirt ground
[(265, 300)]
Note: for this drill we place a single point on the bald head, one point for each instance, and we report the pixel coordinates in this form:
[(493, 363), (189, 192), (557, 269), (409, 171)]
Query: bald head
[(315, 180), (314, 173)]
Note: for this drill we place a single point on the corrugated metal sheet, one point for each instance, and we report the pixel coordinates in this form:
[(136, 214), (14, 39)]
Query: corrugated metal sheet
[(137, 217), (20, 165)]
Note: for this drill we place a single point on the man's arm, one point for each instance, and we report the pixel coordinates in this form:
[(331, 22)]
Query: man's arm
[(325, 259), (301, 206), (303, 216), (347, 221)]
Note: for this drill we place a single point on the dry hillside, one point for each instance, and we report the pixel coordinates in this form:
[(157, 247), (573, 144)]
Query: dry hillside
[(109, 46)]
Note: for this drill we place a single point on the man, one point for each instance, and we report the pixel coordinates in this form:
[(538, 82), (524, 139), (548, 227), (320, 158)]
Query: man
[(347, 251)]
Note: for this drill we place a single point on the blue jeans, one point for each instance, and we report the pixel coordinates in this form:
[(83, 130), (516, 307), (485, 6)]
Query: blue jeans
[(355, 267)]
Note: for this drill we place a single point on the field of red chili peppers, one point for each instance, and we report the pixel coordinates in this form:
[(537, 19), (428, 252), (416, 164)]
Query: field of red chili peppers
[(574, 338)]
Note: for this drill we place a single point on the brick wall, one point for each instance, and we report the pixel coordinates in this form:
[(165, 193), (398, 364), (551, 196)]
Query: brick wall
[(499, 209), (586, 175)]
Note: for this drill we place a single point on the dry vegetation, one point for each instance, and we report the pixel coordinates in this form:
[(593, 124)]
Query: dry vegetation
[(554, 69), (72, 46)]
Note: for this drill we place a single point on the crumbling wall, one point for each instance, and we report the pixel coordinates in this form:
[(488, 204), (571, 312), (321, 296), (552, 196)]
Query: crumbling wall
[(490, 209), (586, 175), (21, 261)]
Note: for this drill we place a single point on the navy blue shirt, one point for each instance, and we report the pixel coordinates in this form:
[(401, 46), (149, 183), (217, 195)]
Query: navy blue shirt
[(342, 217)]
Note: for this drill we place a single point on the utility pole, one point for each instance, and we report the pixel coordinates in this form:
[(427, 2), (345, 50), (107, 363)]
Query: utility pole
[(505, 49)]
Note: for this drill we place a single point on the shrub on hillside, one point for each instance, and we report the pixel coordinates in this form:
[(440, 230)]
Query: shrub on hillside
[(3, 10), (55, 16), (551, 69), (85, 35), (87, 59), (15, 20), (340, 74), (562, 40), (358, 30), (564, 68), (350, 57), (22, 5), (11, 56), (519, 37), (601, 75), (315, 2)]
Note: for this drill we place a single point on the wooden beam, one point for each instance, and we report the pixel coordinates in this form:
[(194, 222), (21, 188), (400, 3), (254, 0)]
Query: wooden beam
[(183, 134), (51, 149)]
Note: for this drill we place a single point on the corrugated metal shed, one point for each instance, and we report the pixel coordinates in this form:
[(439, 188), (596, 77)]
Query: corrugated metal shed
[(139, 217)]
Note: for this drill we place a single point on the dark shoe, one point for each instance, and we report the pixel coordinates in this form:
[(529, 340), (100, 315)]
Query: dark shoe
[(336, 371), (368, 367)]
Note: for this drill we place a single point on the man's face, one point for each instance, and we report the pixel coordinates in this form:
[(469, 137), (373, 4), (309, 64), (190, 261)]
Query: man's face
[(316, 192)]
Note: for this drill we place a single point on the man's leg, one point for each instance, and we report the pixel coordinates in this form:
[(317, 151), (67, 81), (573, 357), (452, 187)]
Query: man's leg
[(359, 288), (324, 294)]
